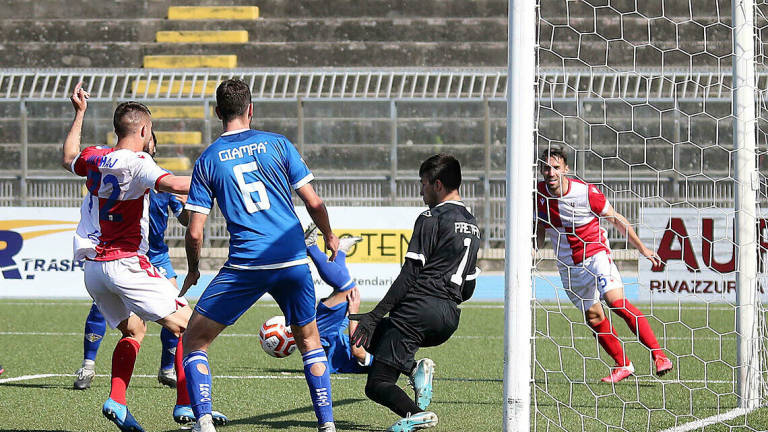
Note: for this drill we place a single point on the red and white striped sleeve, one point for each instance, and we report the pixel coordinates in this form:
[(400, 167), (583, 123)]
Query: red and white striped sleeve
[(597, 201)]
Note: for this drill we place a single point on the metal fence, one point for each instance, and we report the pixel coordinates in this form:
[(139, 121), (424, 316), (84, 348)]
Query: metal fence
[(364, 132)]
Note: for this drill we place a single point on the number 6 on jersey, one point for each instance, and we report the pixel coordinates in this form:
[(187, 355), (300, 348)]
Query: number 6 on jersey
[(248, 188)]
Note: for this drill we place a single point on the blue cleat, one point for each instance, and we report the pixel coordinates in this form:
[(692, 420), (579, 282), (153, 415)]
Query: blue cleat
[(183, 414), (422, 420), (421, 381), (118, 414)]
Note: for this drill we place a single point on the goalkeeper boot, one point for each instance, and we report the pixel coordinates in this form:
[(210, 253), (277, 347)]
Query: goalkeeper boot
[(619, 373), (183, 414), (663, 365), (1, 370), (421, 381), (310, 235), (167, 377), (118, 414), (422, 420), (346, 243), (84, 376), (205, 424)]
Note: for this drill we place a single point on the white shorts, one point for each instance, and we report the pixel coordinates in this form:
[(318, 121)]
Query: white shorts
[(587, 283), (130, 285)]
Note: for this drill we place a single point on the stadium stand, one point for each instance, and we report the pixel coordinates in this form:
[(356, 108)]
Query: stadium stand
[(315, 33)]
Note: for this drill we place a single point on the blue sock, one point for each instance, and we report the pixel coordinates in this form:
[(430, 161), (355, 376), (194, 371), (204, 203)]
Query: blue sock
[(95, 327), (169, 341), (319, 386), (198, 373), (334, 273)]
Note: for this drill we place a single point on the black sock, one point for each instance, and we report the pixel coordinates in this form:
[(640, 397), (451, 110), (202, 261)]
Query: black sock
[(382, 388)]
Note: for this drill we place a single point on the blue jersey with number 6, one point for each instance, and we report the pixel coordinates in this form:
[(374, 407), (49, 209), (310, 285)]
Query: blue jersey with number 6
[(252, 174)]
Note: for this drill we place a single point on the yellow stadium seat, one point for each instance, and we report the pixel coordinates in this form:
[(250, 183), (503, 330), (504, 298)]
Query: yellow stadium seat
[(190, 61), (184, 36), (174, 164), (177, 112), (192, 138), (213, 12), (201, 88)]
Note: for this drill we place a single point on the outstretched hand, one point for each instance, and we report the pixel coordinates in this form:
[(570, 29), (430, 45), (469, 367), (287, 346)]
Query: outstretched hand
[(332, 243), (189, 281), (366, 325), (652, 257), (79, 98)]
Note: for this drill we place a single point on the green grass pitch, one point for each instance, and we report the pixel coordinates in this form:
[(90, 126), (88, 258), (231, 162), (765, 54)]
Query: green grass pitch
[(257, 392)]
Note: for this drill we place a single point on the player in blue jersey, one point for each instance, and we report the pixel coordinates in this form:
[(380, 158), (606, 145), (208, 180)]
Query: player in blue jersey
[(251, 175), (332, 321), (96, 325)]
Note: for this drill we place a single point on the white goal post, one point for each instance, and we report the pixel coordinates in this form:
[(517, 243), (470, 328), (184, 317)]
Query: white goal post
[(656, 103)]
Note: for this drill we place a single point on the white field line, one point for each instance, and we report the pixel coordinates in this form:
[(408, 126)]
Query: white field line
[(334, 377), (254, 335), (719, 418), (28, 377), (236, 377)]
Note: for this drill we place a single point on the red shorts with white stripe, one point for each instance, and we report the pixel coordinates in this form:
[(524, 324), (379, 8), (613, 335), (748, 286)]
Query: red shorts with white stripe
[(130, 285)]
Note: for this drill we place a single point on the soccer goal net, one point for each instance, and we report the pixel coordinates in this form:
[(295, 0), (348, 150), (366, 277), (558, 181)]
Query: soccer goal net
[(661, 105)]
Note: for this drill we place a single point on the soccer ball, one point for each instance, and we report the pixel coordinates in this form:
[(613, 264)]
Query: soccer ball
[(276, 339)]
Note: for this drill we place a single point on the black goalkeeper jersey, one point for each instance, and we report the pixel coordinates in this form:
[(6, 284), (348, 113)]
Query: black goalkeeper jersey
[(445, 241)]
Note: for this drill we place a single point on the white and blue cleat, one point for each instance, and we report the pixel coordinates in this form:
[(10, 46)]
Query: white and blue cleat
[(422, 420), (421, 381), (118, 414), (183, 414)]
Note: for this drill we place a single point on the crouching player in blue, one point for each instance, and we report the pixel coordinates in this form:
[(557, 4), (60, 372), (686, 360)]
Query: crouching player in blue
[(251, 175), (332, 311)]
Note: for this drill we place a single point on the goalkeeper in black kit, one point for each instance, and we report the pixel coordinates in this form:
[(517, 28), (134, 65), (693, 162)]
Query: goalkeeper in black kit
[(439, 273)]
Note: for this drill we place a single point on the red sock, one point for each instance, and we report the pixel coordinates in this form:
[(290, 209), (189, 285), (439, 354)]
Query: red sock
[(606, 336), (182, 395), (123, 360), (638, 324)]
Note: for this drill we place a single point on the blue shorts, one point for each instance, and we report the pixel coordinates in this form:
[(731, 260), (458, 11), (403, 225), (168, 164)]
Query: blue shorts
[(163, 265), (232, 292)]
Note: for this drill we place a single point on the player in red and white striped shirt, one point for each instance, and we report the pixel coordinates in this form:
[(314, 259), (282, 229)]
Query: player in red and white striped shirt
[(569, 212), (112, 237)]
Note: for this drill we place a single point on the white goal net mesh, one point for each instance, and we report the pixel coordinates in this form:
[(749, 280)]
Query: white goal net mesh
[(639, 96)]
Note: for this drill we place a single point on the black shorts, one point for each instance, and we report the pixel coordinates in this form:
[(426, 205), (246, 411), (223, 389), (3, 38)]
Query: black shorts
[(414, 323)]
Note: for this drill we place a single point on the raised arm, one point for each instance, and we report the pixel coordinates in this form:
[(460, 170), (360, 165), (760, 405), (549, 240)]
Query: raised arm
[(319, 214), (71, 147), (622, 224)]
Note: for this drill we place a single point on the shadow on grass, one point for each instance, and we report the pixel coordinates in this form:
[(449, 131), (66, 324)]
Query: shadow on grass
[(37, 386), (280, 370), (275, 420)]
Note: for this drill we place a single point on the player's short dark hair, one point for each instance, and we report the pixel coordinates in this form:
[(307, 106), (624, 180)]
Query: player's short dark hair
[(553, 151), (128, 116), (232, 98), (443, 167), (154, 139)]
